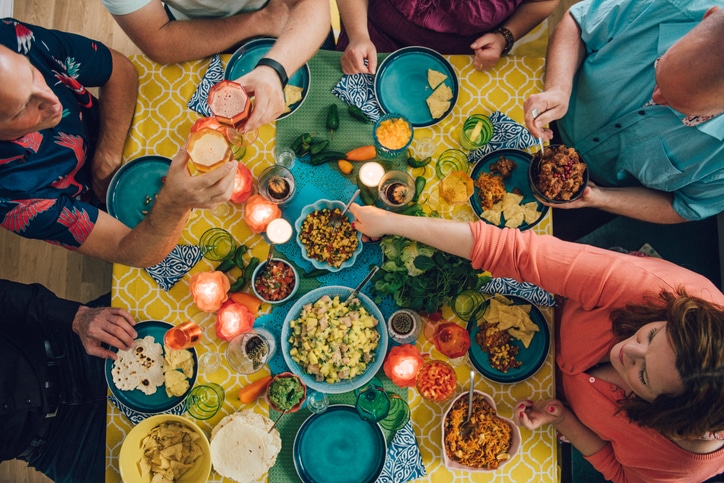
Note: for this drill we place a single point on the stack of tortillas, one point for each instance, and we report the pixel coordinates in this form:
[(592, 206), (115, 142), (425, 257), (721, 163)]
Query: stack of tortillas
[(242, 448), (140, 367)]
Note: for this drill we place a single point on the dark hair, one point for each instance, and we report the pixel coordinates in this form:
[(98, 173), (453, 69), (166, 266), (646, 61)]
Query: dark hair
[(695, 329)]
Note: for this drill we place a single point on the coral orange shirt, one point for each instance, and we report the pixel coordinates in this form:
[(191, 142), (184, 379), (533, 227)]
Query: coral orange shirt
[(595, 282)]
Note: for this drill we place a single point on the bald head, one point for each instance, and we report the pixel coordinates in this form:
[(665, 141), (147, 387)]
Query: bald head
[(27, 104), (690, 74)]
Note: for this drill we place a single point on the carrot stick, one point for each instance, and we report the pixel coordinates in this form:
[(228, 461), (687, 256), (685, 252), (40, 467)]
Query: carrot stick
[(248, 394), (362, 153)]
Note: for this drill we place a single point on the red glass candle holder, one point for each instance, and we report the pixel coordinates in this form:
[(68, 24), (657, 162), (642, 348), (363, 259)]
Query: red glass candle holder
[(209, 290), (451, 340), (402, 365)]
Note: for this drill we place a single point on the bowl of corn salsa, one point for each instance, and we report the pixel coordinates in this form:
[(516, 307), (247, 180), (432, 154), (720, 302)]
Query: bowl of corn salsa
[(322, 245), (392, 134), (275, 281)]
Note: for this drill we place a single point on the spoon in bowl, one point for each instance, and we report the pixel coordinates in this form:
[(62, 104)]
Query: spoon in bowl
[(336, 220), (540, 140), (466, 427), (362, 284)]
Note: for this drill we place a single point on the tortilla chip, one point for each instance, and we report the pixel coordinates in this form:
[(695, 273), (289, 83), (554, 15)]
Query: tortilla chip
[(523, 336), (491, 216), (437, 107), (176, 383), (514, 221), (442, 93), (435, 78)]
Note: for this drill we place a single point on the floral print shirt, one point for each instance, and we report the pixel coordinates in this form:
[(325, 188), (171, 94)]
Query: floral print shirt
[(45, 177)]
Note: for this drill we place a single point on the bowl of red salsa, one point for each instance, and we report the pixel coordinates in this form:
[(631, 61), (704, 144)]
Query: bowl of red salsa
[(275, 281)]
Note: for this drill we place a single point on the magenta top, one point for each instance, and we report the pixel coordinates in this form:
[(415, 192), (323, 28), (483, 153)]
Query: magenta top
[(448, 27)]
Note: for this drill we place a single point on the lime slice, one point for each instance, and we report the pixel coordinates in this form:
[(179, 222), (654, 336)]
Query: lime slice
[(475, 135)]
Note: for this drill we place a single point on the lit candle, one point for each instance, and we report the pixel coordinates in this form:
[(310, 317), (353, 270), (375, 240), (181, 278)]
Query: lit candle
[(233, 319), (279, 231), (209, 290), (243, 184), (371, 173), (402, 365), (258, 213)]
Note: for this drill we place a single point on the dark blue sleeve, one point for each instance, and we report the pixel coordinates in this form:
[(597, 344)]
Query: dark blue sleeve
[(34, 304)]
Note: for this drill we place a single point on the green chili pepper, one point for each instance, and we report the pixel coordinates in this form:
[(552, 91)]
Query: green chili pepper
[(332, 119), (317, 272), (420, 182), (238, 254), (238, 285), (325, 157), (358, 114), (318, 145), (249, 270), (415, 163), (227, 264)]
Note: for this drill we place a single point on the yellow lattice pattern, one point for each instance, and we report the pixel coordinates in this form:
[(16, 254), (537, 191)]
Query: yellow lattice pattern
[(161, 125)]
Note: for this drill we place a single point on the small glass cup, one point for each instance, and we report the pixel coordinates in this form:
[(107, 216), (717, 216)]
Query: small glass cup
[(476, 132), (424, 148), (396, 189), (216, 244), (404, 326), (248, 352), (204, 401), (317, 402), (209, 362), (466, 303), (451, 160), (398, 415), (373, 404), (285, 157), (183, 336), (276, 184)]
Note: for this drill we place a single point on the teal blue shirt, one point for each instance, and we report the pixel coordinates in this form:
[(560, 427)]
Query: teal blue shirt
[(624, 143)]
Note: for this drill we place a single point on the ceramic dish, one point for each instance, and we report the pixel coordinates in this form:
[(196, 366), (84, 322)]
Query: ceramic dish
[(320, 205), (518, 179), (336, 446), (531, 358), (131, 452), (401, 84), (244, 61), (133, 188), (514, 433), (534, 169), (345, 385), (285, 375), (258, 271), (157, 402)]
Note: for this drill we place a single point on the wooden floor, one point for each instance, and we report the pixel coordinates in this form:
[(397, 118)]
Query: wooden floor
[(70, 275)]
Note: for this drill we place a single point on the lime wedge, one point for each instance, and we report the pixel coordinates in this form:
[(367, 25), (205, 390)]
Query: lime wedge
[(475, 135)]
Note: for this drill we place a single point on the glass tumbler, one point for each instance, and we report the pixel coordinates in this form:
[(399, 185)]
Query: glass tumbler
[(183, 336), (216, 244), (396, 189), (204, 401), (276, 184), (248, 352), (317, 402), (476, 132)]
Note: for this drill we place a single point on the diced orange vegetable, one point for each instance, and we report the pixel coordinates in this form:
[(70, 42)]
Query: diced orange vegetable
[(345, 166), (394, 133), (363, 153), (250, 301), (248, 394)]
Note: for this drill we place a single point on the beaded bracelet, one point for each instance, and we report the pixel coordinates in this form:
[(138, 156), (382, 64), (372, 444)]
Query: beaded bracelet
[(278, 68), (509, 40)]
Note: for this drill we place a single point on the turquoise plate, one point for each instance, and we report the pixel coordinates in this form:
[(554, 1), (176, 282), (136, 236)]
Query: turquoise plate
[(157, 402), (244, 61), (518, 179), (531, 358), (133, 185), (344, 385), (336, 446), (401, 84)]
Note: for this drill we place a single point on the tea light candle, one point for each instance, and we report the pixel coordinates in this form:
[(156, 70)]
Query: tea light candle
[(209, 289), (402, 365), (243, 184), (233, 319), (279, 231), (371, 173), (258, 213)]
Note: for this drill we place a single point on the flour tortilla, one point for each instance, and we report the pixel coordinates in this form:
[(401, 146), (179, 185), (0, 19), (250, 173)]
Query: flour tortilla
[(241, 447), (140, 367)]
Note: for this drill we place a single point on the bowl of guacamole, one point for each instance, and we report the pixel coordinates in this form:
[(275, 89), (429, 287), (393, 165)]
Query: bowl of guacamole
[(286, 392)]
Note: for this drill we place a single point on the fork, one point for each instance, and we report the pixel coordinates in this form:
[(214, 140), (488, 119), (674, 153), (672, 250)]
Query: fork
[(336, 220), (540, 140)]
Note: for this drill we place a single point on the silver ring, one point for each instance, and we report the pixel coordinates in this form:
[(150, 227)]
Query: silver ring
[(534, 112)]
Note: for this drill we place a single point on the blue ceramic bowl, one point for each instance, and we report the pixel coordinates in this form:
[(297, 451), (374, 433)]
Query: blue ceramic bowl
[(258, 271), (383, 150), (320, 205), (344, 385)]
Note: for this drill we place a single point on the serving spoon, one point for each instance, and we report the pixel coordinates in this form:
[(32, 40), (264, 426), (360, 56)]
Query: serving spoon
[(277, 421), (362, 284), (466, 428), (336, 220), (540, 140)]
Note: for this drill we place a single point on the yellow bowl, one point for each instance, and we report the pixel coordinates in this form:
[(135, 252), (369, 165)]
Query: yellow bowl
[(131, 452)]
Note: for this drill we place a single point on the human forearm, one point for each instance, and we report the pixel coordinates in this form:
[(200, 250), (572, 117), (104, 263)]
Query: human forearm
[(638, 203), (585, 440), (528, 15), (566, 52), (353, 14)]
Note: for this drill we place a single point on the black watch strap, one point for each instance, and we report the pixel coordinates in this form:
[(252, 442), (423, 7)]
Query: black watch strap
[(278, 68)]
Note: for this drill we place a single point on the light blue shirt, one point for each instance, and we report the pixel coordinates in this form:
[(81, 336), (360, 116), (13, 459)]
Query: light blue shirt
[(624, 143)]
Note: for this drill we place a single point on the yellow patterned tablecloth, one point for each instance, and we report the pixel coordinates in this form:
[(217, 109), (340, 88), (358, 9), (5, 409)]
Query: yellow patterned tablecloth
[(161, 124)]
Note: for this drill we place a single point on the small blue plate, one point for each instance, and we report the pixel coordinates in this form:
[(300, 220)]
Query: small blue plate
[(244, 61), (401, 84), (531, 358), (133, 188), (157, 402), (345, 385), (518, 179), (336, 446)]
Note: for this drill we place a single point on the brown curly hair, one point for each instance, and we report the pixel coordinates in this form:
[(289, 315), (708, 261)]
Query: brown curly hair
[(695, 329)]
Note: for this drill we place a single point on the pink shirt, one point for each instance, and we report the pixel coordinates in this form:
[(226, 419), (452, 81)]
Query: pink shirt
[(596, 281)]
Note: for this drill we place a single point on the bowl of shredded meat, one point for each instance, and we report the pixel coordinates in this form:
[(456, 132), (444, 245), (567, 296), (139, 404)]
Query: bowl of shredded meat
[(558, 176), (486, 443)]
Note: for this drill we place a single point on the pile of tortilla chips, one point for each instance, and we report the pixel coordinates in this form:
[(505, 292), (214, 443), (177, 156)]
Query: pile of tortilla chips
[(439, 101), (169, 450), (178, 369), (515, 213), (513, 318)]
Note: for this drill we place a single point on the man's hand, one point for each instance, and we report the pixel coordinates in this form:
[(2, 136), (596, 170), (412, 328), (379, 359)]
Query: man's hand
[(104, 326), (488, 49), (264, 85), (551, 105), (354, 57)]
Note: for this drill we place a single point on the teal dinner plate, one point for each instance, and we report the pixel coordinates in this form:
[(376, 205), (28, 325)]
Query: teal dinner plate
[(518, 179), (157, 402), (336, 446), (244, 61), (531, 358), (133, 188), (401, 84)]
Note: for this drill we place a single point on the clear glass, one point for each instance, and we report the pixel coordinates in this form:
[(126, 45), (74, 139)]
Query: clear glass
[(183, 336), (476, 132), (209, 362), (276, 184), (248, 352), (396, 189), (216, 244), (466, 303), (317, 402), (204, 401), (424, 148), (451, 160), (285, 157)]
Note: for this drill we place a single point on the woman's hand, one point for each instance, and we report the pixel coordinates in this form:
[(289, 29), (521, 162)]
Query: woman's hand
[(360, 57), (487, 49), (369, 220), (532, 415)]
